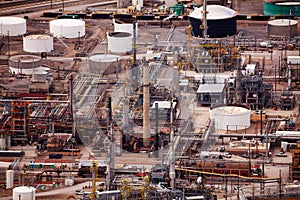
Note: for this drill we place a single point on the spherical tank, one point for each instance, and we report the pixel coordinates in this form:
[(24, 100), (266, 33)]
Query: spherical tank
[(24, 64), (68, 28), (128, 28), (12, 26), (119, 42), (283, 27), (104, 63), (38, 43), (221, 21), (231, 117), (24, 193), (282, 7), (9, 179)]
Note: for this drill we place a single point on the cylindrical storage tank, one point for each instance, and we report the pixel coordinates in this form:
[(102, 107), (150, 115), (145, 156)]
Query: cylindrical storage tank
[(38, 43), (68, 28), (104, 63), (119, 42), (24, 193), (24, 64), (39, 75), (12, 26), (127, 28), (139, 3), (9, 179), (283, 27), (221, 21), (280, 7), (231, 117)]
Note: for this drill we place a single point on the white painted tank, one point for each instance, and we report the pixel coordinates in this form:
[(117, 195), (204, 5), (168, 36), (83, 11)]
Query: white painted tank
[(119, 42), (38, 43), (231, 117), (127, 28), (68, 28), (283, 27), (39, 75), (24, 64), (103, 63), (138, 3), (9, 179), (24, 193), (12, 26)]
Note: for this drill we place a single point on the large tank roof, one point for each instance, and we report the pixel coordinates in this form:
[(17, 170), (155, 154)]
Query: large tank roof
[(230, 110), (283, 22), (104, 57), (214, 12), (38, 37), (119, 34), (281, 2), (24, 58), (67, 22), (12, 20), (24, 189)]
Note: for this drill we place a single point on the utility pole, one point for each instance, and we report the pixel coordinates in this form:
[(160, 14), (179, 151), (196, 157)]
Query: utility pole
[(8, 49), (280, 186), (204, 18), (156, 130), (172, 156)]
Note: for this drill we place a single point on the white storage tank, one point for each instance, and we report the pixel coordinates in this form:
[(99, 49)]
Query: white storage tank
[(24, 64), (67, 28), (39, 75), (119, 42), (127, 28), (231, 116), (24, 193), (38, 43), (283, 27), (9, 179), (12, 26), (138, 3), (104, 63)]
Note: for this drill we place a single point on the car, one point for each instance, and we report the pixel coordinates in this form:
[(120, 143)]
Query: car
[(79, 192), (227, 155), (222, 148), (281, 154)]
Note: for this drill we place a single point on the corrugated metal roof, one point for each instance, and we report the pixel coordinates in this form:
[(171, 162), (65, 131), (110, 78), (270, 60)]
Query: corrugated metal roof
[(211, 88)]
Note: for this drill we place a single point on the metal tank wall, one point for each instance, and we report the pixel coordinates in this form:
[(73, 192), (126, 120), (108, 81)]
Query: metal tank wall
[(68, 28), (221, 21), (103, 63), (283, 27), (272, 9), (24, 192), (38, 43), (216, 28), (231, 117), (119, 42), (12, 26)]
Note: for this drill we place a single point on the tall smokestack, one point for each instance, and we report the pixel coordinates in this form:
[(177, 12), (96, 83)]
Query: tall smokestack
[(146, 106)]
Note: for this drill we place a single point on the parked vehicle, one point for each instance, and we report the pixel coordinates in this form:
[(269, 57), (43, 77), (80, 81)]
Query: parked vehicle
[(281, 154), (222, 148), (227, 155)]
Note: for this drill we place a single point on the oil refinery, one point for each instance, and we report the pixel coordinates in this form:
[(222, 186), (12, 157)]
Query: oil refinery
[(129, 100)]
